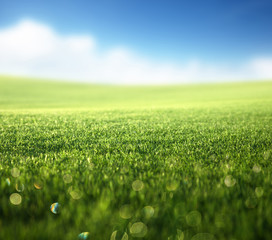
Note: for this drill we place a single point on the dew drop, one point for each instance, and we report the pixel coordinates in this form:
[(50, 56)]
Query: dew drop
[(15, 198), (172, 185), (113, 235), (125, 236), (251, 202), (75, 194), (180, 235), (55, 208), (38, 185), (8, 181), (137, 185), (229, 181), (67, 178), (266, 155), (20, 187), (148, 211), (84, 235), (125, 169), (193, 218), (138, 229), (256, 168), (15, 172), (125, 211)]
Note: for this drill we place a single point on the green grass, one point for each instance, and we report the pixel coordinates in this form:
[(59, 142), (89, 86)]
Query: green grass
[(198, 155)]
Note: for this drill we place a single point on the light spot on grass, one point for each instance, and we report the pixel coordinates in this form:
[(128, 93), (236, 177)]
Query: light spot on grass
[(137, 185), (138, 229), (15, 198), (67, 178), (15, 172), (259, 191), (125, 236), (203, 236), (180, 235), (106, 176), (172, 185), (91, 166), (125, 211), (19, 187), (125, 169), (8, 181), (193, 218), (75, 194), (38, 184), (148, 211), (256, 168), (228, 166), (113, 235), (84, 235), (251, 202), (55, 208), (230, 181), (266, 155)]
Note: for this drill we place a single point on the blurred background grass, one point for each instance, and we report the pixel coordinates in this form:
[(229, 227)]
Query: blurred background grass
[(16, 93)]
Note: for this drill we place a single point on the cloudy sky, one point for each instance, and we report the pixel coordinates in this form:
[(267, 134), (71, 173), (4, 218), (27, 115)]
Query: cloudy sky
[(137, 42)]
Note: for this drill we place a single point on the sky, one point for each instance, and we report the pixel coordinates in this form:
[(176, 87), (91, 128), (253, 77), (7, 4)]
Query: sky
[(137, 41)]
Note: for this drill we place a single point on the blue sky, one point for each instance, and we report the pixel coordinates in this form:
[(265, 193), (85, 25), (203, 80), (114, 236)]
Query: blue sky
[(212, 31)]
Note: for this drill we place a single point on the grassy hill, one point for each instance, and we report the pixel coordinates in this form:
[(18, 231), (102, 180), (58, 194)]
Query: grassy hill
[(165, 162)]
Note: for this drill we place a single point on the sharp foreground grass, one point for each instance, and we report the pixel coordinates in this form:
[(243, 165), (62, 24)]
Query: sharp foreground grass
[(179, 163)]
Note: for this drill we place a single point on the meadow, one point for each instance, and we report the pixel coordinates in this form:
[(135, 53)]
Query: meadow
[(85, 161)]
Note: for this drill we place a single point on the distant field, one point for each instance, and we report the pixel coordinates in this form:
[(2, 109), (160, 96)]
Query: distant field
[(186, 162)]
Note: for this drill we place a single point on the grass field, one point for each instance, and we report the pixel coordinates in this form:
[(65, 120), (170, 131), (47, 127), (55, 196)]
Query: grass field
[(178, 163)]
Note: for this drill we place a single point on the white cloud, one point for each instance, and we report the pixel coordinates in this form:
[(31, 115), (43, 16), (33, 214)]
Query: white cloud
[(262, 67), (33, 49)]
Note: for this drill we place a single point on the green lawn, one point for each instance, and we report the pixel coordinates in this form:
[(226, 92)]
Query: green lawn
[(176, 162)]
